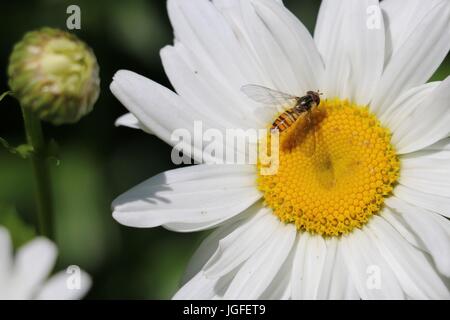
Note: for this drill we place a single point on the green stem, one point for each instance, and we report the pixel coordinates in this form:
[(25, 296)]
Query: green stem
[(44, 198)]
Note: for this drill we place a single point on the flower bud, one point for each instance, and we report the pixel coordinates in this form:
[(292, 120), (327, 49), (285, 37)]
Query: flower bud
[(54, 74)]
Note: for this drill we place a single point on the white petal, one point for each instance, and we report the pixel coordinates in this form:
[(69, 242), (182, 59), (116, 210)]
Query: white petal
[(159, 109), (439, 150), (5, 257), (424, 200), (341, 285), (417, 277), (257, 272), (401, 20), (334, 284), (196, 194), (427, 171), (202, 288), (351, 293), (350, 36), (232, 12), (285, 48), (403, 107), (130, 121), (370, 273), (425, 122), (221, 102), (34, 262), (280, 287), (398, 222), (434, 234), (324, 289), (58, 288), (206, 249), (200, 27), (313, 264), (297, 269), (242, 243), (206, 225), (418, 57)]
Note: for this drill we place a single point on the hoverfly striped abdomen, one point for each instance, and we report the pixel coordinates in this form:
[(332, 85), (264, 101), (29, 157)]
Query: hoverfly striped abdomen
[(286, 119)]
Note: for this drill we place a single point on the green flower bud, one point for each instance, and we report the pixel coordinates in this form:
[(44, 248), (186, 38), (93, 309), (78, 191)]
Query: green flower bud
[(54, 74)]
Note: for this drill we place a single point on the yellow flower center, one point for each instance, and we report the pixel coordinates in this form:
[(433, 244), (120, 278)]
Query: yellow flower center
[(334, 172)]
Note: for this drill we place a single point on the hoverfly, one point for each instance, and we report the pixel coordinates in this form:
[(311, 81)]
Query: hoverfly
[(295, 107)]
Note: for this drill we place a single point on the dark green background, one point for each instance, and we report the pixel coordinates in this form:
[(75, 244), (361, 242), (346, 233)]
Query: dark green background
[(99, 161)]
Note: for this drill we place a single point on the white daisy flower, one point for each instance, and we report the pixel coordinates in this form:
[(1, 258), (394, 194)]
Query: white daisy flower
[(364, 216), (24, 276)]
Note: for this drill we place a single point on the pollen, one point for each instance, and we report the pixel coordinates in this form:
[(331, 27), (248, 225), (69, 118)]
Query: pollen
[(333, 174)]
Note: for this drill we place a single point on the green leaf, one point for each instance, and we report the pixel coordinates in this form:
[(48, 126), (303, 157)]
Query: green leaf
[(4, 94), (20, 232), (24, 150)]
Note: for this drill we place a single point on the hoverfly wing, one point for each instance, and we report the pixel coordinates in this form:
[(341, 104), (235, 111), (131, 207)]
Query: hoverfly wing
[(268, 97)]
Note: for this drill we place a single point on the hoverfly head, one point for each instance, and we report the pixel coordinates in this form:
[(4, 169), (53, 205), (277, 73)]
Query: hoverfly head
[(315, 96)]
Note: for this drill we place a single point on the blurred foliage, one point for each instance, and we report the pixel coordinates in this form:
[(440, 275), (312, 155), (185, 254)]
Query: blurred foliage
[(20, 232), (98, 161)]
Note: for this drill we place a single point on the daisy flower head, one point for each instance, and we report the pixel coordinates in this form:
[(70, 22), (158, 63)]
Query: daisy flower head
[(363, 216), (25, 274)]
